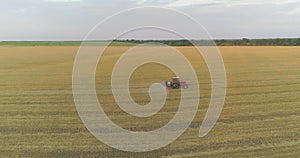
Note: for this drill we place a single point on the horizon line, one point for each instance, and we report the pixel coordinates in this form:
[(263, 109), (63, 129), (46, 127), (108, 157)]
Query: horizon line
[(125, 40)]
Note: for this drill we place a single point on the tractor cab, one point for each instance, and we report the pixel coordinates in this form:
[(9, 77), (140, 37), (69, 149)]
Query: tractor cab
[(176, 80), (176, 83)]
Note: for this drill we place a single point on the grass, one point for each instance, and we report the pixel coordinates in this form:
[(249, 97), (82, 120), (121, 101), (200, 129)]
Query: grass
[(260, 117)]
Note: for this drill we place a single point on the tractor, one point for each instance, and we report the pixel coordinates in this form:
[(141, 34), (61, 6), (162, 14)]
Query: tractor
[(176, 83)]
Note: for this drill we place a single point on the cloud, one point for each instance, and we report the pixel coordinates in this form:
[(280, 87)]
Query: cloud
[(72, 19), (228, 3), (65, 1), (294, 9)]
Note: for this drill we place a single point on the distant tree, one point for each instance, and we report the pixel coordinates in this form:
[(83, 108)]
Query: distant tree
[(298, 42)]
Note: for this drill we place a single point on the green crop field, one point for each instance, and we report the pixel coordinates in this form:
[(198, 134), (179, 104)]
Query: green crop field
[(261, 115)]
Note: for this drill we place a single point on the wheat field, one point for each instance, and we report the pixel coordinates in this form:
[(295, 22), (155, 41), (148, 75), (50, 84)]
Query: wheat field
[(260, 118)]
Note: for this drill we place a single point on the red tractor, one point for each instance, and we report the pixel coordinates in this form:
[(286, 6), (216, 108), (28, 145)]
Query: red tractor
[(176, 83)]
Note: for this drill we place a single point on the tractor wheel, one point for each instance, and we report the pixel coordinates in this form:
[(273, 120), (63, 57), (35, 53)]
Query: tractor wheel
[(175, 86)]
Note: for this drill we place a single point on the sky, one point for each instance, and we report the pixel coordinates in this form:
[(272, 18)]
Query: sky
[(29, 20)]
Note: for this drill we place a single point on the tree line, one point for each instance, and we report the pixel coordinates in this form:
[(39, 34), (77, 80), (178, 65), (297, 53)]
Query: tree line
[(223, 42), (132, 42)]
